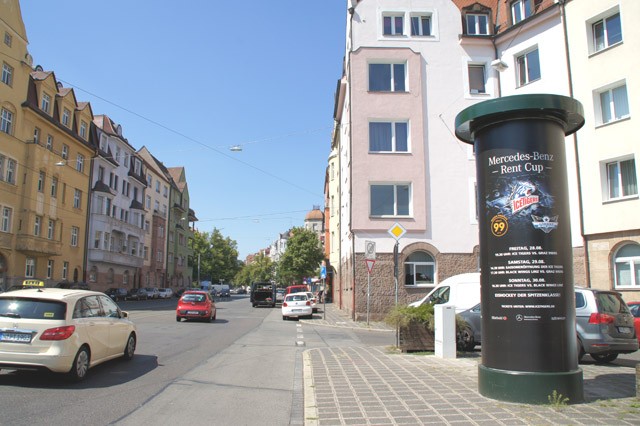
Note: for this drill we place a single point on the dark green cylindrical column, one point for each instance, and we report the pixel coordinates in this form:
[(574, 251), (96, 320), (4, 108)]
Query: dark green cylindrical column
[(528, 305)]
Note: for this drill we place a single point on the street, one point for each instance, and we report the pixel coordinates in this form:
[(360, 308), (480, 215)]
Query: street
[(243, 367)]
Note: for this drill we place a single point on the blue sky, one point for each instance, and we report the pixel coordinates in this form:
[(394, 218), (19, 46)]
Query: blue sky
[(191, 79)]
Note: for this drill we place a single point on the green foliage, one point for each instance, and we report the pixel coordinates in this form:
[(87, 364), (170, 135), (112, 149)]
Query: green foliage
[(218, 257), (557, 400), (302, 257), (260, 270), (401, 315)]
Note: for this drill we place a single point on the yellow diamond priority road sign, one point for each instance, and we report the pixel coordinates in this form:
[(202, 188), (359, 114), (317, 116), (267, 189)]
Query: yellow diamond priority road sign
[(397, 231)]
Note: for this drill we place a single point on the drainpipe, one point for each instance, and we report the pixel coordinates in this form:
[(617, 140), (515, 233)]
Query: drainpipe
[(563, 17), (353, 240), (85, 259)]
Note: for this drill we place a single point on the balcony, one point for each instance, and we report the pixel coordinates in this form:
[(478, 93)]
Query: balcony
[(116, 258), (37, 246)]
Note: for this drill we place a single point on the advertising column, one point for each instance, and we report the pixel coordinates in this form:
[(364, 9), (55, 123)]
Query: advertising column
[(528, 302)]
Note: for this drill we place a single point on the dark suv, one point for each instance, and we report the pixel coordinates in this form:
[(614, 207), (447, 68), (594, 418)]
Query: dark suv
[(604, 325), (117, 293)]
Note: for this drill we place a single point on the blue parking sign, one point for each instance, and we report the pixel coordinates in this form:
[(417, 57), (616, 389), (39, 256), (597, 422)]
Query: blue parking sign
[(323, 272)]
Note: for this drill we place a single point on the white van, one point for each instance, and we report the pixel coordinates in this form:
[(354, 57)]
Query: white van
[(461, 291)]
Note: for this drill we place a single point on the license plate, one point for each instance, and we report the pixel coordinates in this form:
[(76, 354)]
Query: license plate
[(15, 337), (193, 312), (624, 329), (296, 310)]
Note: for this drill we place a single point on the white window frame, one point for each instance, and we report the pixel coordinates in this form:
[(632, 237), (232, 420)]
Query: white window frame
[(521, 10), (51, 229), (75, 231), (6, 121), (80, 163), (392, 16), (413, 265), (45, 104), (394, 78), (65, 270), (472, 20), (49, 144), (7, 74), (395, 186), (37, 224), (40, 183), (49, 269), (66, 117), (11, 171), (524, 58), (607, 194), (393, 136), (616, 110), (30, 267), (421, 31), (54, 187), (65, 152), (474, 65), (83, 129), (603, 20), (77, 198), (7, 213), (633, 263)]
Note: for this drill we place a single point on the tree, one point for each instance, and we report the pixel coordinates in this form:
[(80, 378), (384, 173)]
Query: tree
[(260, 270), (218, 256), (302, 257)]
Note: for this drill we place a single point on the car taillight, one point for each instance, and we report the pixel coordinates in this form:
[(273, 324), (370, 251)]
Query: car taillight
[(308, 303), (284, 304), (601, 319), (58, 333)]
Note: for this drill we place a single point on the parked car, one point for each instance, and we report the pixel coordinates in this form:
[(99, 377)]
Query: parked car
[(62, 330), (314, 301), (152, 292), (296, 288), (634, 307), (461, 291), (471, 334), (225, 291), (137, 294), (117, 293), (196, 304), (165, 293), (604, 324), (68, 284), (296, 305)]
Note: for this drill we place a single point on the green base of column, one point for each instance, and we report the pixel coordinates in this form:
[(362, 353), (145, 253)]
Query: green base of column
[(530, 387)]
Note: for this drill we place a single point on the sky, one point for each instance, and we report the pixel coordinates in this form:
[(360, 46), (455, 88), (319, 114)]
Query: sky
[(189, 80)]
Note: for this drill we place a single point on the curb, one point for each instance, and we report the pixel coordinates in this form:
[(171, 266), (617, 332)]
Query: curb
[(310, 407)]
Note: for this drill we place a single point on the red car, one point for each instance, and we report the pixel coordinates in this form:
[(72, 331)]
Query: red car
[(196, 305), (634, 307)]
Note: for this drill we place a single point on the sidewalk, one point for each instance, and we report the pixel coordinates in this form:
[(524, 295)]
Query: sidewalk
[(374, 385)]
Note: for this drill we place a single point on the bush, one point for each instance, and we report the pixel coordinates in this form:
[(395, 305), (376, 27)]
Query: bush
[(401, 315)]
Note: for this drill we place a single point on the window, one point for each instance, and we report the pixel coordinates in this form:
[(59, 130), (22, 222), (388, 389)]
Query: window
[(148, 202), (54, 187), (36, 135), (46, 103), (528, 67), (93, 274), (614, 104), (83, 129), (103, 143), (158, 186), (125, 278), (6, 121), (7, 74), (7, 39), (36, 226), (421, 25), (65, 270), (387, 77), (159, 256), (49, 269), (165, 191), (607, 32), (621, 179), (100, 174), (51, 229), (65, 152), (77, 198), (477, 24), (388, 137), (117, 154), (66, 117), (30, 268), (476, 79), (74, 236), (419, 268), (41, 178), (520, 10), (6, 219), (97, 239), (626, 265), (49, 143), (106, 242), (390, 200), (11, 171), (393, 25), (80, 163)]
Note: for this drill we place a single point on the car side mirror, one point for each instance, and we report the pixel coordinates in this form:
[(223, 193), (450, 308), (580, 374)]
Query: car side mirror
[(124, 314)]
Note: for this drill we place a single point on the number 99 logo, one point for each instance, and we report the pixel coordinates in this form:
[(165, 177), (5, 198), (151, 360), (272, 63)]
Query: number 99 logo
[(499, 225)]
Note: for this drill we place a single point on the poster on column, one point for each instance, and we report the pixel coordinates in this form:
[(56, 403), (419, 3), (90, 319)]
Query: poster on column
[(525, 215)]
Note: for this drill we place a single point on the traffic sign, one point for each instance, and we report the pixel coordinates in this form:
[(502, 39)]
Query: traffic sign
[(370, 263), (370, 250), (397, 231)]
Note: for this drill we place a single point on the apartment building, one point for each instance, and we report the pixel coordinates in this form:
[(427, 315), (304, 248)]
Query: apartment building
[(156, 205), (180, 233), (46, 142), (405, 77), (117, 214), (603, 45)]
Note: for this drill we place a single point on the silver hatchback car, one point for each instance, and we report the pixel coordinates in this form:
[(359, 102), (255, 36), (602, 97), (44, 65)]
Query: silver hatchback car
[(604, 325)]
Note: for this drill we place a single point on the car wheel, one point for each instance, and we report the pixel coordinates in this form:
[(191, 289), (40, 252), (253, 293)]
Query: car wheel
[(465, 339), (603, 359), (80, 365), (177, 318), (284, 318), (581, 352), (130, 348)]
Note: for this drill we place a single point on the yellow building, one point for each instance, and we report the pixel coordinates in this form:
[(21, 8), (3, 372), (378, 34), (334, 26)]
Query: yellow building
[(46, 145)]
